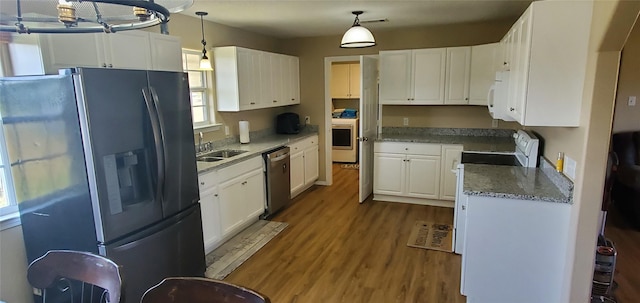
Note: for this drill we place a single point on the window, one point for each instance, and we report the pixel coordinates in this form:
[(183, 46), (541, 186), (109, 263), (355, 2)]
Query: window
[(199, 84), (7, 198)]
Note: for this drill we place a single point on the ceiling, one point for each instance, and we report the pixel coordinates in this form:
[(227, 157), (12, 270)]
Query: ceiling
[(310, 18)]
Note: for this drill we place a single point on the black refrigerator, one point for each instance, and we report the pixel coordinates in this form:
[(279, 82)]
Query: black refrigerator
[(103, 160)]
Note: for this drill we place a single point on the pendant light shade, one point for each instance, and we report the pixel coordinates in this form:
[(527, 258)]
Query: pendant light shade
[(205, 64), (357, 36)]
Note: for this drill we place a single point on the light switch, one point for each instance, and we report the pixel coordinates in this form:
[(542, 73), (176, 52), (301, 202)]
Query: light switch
[(494, 123), (632, 100), (405, 121)]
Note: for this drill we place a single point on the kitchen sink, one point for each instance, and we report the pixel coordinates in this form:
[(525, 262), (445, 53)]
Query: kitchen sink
[(219, 155), (208, 159), (225, 153)]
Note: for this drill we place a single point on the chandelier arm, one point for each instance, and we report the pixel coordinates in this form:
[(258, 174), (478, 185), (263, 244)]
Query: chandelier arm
[(161, 11)]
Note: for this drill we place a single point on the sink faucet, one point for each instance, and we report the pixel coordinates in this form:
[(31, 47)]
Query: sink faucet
[(200, 136)]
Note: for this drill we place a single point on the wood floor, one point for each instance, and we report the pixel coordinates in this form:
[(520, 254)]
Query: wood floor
[(337, 250), (627, 242)]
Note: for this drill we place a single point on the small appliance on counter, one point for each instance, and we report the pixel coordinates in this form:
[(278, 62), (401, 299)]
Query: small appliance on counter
[(288, 123)]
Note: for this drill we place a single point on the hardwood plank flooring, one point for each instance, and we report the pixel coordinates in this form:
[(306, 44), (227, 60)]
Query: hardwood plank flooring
[(627, 243), (337, 250)]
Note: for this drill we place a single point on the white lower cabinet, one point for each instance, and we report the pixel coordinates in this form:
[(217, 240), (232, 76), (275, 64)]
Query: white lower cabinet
[(304, 164), (451, 155), (231, 198), (406, 172), (210, 209), (419, 173), (517, 244)]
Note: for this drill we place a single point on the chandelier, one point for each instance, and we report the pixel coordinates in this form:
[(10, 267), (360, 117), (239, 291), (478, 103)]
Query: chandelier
[(86, 16)]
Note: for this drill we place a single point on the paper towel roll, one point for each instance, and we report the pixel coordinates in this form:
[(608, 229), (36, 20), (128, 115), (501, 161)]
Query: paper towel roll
[(244, 131)]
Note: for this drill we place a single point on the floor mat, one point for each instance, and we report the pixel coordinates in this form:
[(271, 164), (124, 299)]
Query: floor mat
[(431, 235), (226, 258), (350, 166)]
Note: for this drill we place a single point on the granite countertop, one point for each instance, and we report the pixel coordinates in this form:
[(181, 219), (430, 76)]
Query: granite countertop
[(480, 140), (254, 148), (515, 182)]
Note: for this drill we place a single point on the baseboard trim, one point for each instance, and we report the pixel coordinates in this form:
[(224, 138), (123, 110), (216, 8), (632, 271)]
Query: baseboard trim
[(411, 200)]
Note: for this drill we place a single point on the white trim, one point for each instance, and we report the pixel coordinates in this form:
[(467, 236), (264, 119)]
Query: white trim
[(327, 113), (9, 221), (207, 128)]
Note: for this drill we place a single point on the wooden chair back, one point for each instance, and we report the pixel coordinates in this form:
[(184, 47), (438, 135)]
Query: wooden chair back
[(74, 274), (200, 290)]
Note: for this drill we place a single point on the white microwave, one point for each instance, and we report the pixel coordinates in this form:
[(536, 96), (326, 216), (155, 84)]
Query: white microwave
[(498, 97)]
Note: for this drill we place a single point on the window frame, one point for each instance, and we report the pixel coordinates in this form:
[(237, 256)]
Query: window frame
[(205, 89)]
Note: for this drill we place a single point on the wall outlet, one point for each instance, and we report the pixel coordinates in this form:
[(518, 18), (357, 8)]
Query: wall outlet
[(569, 168), (307, 120), (632, 100), (494, 123), (405, 121), (226, 130)]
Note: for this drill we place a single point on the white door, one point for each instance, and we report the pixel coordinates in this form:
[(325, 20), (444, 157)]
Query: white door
[(457, 75), (368, 123), (297, 170), (450, 159), (395, 77), (429, 76), (390, 174), (311, 164), (231, 196), (166, 52), (423, 176), (210, 209), (255, 197), (130, 50)]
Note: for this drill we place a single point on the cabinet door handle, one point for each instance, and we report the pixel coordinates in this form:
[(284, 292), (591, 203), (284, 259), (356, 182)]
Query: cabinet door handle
[(464, 207), (104, 65), (511, 109), (244, 183), (274, 101), (466, 99), (110, 65), (252, 103), (215, 195), (201, 183)]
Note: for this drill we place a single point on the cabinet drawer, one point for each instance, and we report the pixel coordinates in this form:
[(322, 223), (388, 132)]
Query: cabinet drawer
[(303, 144), (426, 149), (207, 180), (240, 168)]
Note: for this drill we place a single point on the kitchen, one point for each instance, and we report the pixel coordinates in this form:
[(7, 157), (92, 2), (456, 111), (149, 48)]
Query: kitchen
[(311, 52)]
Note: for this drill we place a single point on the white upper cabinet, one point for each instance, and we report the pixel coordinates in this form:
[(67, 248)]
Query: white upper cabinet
[(458, 73), (126, 50), (250, 79), (546, 52), (345, 80), (395, 77), (412, 76), (485, 61), (428, 76), (166, 52)]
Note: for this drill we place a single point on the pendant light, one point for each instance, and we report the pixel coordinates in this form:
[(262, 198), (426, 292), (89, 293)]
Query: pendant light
[(205, 64), (357, 36)]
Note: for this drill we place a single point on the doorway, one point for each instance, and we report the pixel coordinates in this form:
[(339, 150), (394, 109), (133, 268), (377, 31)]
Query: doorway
[(351, 98)]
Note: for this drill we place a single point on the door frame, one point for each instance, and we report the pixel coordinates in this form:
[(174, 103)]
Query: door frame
[(328, 143)]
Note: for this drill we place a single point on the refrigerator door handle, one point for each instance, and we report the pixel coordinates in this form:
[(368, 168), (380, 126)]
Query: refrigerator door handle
[(154, 97), (157, 138)]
